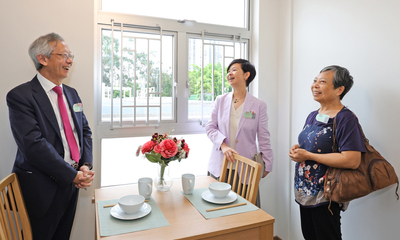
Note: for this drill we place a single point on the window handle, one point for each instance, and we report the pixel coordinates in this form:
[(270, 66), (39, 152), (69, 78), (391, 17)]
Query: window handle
[(188, 87)]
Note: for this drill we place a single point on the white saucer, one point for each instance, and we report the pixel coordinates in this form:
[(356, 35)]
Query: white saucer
[(209, 197), (117, 212)]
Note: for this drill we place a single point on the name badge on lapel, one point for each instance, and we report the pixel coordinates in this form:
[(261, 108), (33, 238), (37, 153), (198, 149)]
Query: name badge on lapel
[(78, 107), (249, 114)]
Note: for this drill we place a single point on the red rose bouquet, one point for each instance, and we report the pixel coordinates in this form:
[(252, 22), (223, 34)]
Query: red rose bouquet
[(163, 149)]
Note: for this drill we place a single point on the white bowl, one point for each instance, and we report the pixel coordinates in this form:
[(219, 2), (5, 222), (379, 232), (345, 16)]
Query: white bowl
[(219, 189), (131, 204)]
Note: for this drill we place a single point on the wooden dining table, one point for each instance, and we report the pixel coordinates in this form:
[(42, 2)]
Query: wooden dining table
[(185, 221)]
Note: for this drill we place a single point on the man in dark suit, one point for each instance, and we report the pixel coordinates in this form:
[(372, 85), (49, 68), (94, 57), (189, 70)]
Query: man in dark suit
[(54, 157)]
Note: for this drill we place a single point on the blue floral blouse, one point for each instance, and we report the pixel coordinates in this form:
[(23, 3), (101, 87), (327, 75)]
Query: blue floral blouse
[(316, 137)]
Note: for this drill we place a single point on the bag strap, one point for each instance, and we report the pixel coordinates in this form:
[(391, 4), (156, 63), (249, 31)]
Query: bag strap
[(334, 149), (366, 141), (334, 146)]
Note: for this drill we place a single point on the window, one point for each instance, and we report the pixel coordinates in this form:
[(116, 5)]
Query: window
[(137, 87), (206, 11), (215, 58), (155, 74)]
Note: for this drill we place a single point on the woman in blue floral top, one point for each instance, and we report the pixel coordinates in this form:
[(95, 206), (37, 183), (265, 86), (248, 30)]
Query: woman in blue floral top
[(314, 154)]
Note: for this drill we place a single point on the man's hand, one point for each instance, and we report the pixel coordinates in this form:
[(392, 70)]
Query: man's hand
[(84, 177)]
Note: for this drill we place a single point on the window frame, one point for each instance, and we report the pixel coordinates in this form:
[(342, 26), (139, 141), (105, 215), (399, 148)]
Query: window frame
[(114, 121), (235, 39), (247, 17), (182, 32)]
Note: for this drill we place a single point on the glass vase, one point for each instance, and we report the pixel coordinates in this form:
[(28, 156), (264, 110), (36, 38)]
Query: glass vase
[(163, 182)]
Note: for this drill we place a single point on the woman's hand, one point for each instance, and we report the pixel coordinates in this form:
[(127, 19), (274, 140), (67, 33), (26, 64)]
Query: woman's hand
[(294, 147), (227, 151), (297, 154), (345, 159)]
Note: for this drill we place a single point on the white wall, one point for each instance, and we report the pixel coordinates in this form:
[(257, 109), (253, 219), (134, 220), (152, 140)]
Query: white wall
[(21, 22), (362, 36), (265, 86), (294, 39)]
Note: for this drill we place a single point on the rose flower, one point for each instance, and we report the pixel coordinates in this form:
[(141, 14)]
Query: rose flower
[(167, 148), (148, 146)]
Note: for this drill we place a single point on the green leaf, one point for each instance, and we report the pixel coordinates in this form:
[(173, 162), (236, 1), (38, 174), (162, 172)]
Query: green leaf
[(154, 158)]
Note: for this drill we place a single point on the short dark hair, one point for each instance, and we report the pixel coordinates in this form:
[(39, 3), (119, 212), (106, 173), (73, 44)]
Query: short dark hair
[(246, 67), (341, 77)]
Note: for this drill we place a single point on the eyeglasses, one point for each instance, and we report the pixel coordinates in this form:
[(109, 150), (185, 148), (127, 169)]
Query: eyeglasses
[(65, 56)]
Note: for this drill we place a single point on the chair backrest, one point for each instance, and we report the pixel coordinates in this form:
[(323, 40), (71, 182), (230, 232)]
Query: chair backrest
[(13, 216), (246, 178), (2, 233)]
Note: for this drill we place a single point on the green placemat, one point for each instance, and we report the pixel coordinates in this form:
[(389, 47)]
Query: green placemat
[(112, 226), (202, 205)]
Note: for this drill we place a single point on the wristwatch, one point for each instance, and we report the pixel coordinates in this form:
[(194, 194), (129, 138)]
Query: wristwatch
[(88, 165)]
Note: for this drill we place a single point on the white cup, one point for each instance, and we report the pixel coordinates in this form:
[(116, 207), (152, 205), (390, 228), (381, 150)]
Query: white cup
[(145, 187), (188, 183)]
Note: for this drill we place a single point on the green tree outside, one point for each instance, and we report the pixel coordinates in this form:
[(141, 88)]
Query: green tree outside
[(195, 81), (154, 72), (129, 60)]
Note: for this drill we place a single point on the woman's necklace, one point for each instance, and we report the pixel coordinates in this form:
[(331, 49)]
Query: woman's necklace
[(237, 99)]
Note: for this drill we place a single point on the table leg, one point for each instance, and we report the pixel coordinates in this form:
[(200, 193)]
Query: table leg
[(267, 232)]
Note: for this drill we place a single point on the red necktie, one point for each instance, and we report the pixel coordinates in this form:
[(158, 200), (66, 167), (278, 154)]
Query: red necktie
[(73, 147)]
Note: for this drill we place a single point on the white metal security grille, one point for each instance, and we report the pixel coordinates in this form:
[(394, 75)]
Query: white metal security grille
[(227, 54), (148, 92)]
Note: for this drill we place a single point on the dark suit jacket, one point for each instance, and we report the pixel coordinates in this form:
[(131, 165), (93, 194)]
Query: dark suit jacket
[(39, 163)]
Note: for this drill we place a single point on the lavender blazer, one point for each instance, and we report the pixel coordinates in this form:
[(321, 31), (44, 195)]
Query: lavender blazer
[(248, 130)]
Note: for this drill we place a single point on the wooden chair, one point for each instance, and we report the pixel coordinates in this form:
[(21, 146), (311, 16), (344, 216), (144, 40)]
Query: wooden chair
[(14, 221), (246, 178)]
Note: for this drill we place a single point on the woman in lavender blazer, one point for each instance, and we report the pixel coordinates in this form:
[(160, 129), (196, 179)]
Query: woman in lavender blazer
[(237, 120)]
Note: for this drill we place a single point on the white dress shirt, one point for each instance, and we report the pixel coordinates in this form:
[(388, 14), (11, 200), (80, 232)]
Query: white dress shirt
[(48, 88), (233, 125)]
